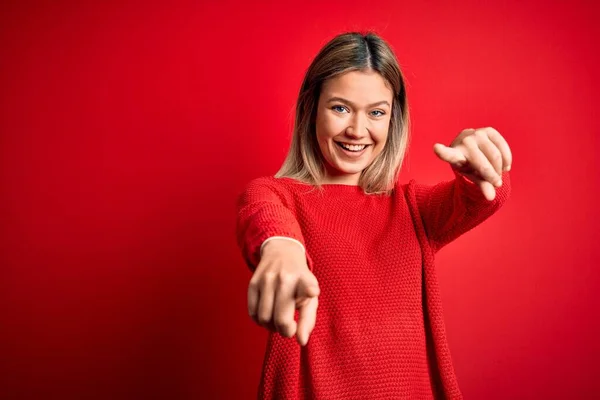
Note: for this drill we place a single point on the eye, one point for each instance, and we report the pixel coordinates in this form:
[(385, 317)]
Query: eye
[(381, 113), (339, 109)]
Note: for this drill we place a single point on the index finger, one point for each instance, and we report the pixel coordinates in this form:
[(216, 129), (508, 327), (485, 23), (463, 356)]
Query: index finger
[(451, 155), (307, 319)]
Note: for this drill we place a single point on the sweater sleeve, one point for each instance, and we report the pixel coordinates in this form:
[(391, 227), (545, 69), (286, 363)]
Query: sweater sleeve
[(450, 209), (264, 210)]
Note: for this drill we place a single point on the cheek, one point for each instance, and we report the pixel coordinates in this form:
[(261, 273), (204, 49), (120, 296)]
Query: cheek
[(323, 136), (381, 134), (329, 127)]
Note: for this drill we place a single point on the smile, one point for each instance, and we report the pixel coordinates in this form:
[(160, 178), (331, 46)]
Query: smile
[(352, 147)]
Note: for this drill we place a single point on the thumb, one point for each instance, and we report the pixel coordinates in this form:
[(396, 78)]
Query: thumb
[(308, 287), (451, 155)]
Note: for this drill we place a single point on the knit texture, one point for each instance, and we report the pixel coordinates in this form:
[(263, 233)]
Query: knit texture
[(380, 332)]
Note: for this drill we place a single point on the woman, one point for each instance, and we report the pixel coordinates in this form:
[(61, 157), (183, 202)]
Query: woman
[(342, 254)]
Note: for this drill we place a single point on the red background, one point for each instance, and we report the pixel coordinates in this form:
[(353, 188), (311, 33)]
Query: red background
[(127, 131)]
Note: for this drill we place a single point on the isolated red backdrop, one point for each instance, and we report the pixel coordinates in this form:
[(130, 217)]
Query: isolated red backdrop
[(127, 131)]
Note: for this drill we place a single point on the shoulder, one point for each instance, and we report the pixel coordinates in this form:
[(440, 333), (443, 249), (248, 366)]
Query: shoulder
[(405, 189), (275, 184), (270, 187)]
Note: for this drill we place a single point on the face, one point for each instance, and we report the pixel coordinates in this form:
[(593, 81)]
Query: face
[(353, 118)]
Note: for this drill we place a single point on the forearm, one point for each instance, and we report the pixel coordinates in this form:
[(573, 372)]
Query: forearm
[(452, 208)]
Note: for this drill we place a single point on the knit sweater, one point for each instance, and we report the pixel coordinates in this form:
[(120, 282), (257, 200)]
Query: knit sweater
[(379, 331)]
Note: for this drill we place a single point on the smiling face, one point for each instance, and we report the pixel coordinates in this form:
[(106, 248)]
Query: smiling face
[(352, 123)]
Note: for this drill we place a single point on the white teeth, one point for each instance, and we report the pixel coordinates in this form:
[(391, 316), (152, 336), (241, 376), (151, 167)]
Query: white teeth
[(353, 147)]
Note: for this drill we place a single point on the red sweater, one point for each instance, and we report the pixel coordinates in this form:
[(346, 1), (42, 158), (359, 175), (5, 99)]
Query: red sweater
[(380, 332)]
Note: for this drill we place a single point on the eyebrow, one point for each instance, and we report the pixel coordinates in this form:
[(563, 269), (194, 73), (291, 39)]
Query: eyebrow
[(342, 100)]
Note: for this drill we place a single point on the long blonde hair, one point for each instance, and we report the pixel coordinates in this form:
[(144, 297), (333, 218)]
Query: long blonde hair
[(349, 52)]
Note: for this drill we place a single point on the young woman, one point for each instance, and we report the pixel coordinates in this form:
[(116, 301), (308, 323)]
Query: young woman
[(342, 254)]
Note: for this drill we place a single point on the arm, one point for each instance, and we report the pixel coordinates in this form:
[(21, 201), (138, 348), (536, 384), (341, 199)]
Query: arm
[(480, 159), (264, 214), (268, 234), (450, 209)]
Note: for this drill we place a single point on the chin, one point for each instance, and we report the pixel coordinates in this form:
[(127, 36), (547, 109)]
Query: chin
[(345, 169)]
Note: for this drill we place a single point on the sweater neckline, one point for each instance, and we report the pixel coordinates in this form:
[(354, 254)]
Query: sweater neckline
[(342, 187), (332, 188)]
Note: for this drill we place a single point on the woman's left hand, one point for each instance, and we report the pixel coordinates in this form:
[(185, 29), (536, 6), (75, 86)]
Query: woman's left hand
[(481, 155)]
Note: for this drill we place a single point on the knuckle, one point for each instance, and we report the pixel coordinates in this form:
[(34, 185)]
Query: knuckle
[(481, 133), (469, 140), (270, 275), (484, 170), (488, 171), (497, 157), (309, 276), (286, 278)]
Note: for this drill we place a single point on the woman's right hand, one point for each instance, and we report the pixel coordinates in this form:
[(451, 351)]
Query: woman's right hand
[(282, 283)]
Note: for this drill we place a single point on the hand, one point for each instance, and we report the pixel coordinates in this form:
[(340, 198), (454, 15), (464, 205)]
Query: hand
[(281, 284), (481, 155)]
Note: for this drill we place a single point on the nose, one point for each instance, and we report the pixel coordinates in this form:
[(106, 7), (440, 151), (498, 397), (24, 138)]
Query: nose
[(357, 127)]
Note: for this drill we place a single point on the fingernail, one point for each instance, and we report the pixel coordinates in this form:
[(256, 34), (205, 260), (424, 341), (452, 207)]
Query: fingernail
[(508, 168), (499, 183)]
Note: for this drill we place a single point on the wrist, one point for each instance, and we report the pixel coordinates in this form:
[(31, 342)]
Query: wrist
[(281, 243)]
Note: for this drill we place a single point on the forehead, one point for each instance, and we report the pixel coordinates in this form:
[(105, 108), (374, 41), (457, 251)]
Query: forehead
[(359, 86)]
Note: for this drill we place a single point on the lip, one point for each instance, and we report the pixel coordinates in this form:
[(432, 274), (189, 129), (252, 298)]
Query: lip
[(351, 154), (353, 144)]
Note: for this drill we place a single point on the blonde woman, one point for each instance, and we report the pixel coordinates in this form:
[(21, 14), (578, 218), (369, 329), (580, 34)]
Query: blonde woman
[(342, 254)]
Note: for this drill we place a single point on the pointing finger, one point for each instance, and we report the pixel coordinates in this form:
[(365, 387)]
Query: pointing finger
[(307, 319), (307, 302), (451, 155)]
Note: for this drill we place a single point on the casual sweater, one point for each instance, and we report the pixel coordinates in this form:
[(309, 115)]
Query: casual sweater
[(379, 331)]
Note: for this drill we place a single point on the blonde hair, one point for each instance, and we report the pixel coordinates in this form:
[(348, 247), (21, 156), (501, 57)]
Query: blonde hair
[(349, 52)]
